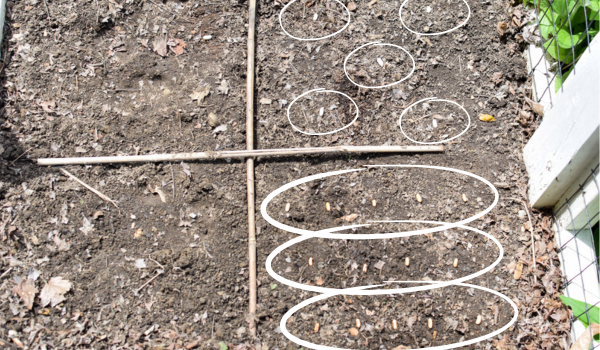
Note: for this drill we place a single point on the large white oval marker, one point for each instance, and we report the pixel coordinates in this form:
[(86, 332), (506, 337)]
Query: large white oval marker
[(312, 39), (440, 33), (381, 86), (331, 232), (433, 99), (371, 291), (320, 112), (287, 315)]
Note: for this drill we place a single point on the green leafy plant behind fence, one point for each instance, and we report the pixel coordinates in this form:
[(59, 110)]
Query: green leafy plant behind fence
[(567, 27)]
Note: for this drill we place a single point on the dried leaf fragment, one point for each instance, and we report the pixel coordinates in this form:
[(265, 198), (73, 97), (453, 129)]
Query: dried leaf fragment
[(159, 44), (200, 94), (379, 265), (583, 343), (177, 46), (48, 106), (518, 271), (496, 77), (27, 291), (501, 28), (349, 218), (486, 118), (54, 291)]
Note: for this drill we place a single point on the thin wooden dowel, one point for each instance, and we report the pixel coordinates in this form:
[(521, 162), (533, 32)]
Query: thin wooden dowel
[(179, 157), (250, 171)]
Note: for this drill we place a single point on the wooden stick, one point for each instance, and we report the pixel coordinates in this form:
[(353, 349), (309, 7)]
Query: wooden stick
[(532, 238), (178, 157), (250, 170), (100, 194)]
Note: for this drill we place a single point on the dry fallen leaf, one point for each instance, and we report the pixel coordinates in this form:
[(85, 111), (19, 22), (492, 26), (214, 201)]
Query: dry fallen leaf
[(351, 6), (379, 265), (349, 218), (26, 290), (87, 226), (487, 118), (518, 271), (48, 106), (200, 94), (159, 45), (501, 28), (496, 77), (265, 101), (177, 46), (583, 343), (53, 292), (62, 245)]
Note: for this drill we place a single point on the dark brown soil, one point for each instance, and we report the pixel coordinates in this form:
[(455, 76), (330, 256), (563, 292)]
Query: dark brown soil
[(96, 78)]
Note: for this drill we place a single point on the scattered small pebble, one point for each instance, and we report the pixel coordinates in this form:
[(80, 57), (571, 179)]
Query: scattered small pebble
[(353, 332)]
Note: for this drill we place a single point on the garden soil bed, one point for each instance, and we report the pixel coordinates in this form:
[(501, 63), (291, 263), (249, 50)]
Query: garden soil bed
[(168, 268)]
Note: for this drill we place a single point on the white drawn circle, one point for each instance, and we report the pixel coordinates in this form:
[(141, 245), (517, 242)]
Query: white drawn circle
[(321, 133), (433, 99), (440, 33), (381, 86), (355, 291), (287, 315), (312, 39), (330, 232)]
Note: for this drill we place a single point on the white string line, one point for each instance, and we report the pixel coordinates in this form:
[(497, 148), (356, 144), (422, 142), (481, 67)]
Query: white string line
[(321, 133), (433, 99), (376, 43), (440, 33), (312, 39)]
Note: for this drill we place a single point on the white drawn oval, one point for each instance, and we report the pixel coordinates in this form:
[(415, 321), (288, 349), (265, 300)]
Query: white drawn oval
[(359, 290), (440, 33), (313, 39), (381, 86), (287, 315), (321, 133), (330, 232), (433, 99)]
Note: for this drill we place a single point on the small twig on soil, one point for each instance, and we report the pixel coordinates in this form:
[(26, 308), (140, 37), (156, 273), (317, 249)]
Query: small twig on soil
[(157, 263), (100, 194), (6, 272), (147, 282), (22, 154), (532, 238), (47, 9), (173, 180)]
